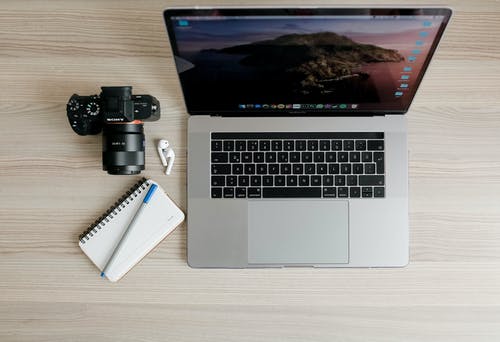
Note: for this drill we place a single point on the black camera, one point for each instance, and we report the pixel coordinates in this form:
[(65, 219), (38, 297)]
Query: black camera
[(120, 116)]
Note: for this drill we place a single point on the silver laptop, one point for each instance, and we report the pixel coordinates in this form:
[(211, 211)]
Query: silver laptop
[(297, 135)]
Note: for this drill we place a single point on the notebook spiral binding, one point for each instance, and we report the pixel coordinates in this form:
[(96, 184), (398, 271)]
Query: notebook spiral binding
[(108, 215)]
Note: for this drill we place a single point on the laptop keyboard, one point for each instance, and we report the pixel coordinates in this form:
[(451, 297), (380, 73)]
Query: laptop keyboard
[(297, 165)]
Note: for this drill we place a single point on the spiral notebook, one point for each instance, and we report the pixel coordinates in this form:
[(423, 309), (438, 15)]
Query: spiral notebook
[(159, 219)]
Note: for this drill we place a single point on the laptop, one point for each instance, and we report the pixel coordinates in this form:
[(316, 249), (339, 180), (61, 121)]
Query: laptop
[(297, 133)]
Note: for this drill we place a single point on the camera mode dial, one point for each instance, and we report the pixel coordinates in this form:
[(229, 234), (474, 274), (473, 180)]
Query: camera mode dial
[(92, 108)]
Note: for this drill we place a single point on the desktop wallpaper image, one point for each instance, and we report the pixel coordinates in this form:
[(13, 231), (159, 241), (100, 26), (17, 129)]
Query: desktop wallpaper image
[(227, 62)]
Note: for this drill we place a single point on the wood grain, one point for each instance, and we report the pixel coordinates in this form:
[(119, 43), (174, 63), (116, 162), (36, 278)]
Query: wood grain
[(52, 188)]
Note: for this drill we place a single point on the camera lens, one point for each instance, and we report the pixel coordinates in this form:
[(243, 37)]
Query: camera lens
[(123, 149)]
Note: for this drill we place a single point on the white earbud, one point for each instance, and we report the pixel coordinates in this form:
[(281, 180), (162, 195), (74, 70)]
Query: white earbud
[(167, 155)]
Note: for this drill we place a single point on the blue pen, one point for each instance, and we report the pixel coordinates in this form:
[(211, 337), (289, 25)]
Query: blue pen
[(118, 248)]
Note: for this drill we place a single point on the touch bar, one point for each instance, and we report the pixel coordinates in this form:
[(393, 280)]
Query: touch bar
[(297, 135)]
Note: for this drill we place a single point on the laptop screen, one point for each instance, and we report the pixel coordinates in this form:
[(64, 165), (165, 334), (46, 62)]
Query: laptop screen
[(296, 61)]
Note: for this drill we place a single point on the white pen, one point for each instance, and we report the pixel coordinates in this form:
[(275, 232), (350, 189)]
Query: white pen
[(128, 229)]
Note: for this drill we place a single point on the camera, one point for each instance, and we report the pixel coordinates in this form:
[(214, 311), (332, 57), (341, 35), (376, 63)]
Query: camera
[(119, 115)]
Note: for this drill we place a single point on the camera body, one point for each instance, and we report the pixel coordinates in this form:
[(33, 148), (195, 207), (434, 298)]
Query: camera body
[(119, 115)]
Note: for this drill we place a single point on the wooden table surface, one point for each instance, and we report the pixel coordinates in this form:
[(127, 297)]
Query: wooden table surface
[(52, 187)]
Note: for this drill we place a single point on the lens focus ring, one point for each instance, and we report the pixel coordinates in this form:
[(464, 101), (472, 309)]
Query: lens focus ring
[(123, 149)]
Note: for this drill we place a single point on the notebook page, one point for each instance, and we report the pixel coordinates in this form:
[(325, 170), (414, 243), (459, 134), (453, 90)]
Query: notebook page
[(158, 219)]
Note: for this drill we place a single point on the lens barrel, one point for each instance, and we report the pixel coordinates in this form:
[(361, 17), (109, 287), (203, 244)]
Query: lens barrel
[(123, 148)]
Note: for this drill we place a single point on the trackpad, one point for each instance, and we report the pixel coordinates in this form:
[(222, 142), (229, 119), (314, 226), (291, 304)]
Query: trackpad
[(298, 232)]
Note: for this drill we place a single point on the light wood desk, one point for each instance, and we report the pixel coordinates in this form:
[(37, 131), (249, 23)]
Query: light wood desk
[(52, 187)]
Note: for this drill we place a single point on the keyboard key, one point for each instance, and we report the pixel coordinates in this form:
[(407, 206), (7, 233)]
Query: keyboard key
[(298, 169), (270, 157), (354, 192), (312, 145), (339, 180), (231, 180), (357, 169), (267, 181), (228, 192), (243, 180), (286, 169), (288, 145), (327, 180), (321, 169), (283, 157), (337, 145), (343, 157), (240, 145), (319, 157), (329, 192), (352, 180), (264, 145), (228, 145), (366, 157), (360, 145), (274, 169), (354, 157), (262, 169), (342, 191), (255, 181), (279, 180), (378, 191), (234, 157), (306, 157), (219, 157), (258, 157), (218, 181), (375, 145), (303, 180), (221, 169), (324, 145), (291, 180), (300, 145), (367, 191), (241, 192), (297, 192), (294, 157), (246, 157), (254, 193), (216, 192), (330, 157), (345, 169), (216, 145), (276, 145), (249, 169), (315, 180), (371, 180), (253, 145), (310, 169), (348, 145), (333, 169), (369, 168), (237, 169), (378, 157)]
